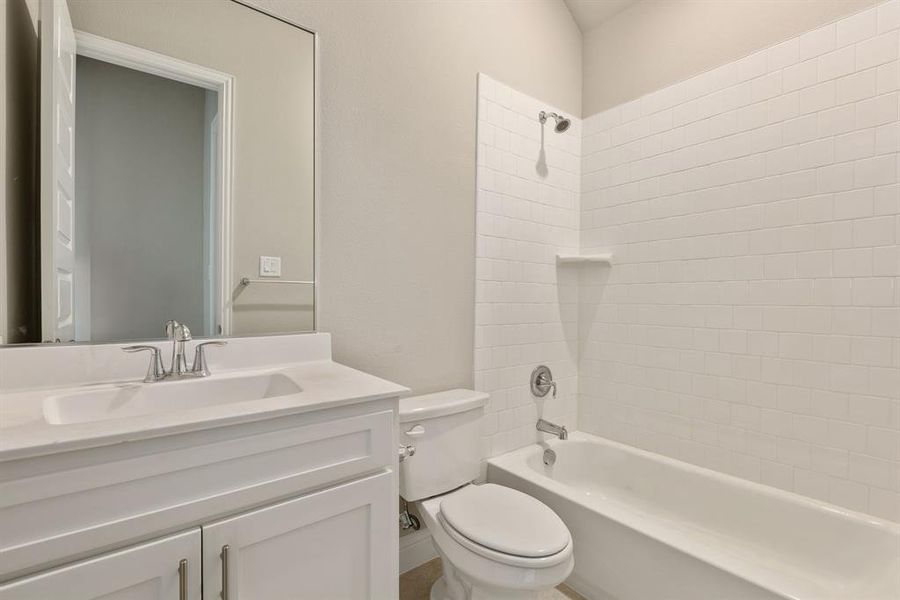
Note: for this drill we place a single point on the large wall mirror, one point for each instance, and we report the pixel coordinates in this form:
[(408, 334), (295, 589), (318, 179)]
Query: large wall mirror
[(175, 175)]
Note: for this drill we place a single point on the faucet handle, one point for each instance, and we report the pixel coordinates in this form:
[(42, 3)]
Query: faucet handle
[(200, 367), (155, 371)]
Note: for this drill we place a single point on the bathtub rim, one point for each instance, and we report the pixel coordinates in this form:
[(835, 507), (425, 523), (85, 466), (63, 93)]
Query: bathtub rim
[(515, 463)]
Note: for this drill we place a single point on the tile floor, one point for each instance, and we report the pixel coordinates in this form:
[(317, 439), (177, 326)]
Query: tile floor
[(416, 584)]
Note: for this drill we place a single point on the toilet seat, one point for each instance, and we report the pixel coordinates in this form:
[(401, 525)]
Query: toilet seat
[(505, 525), (476, 565)]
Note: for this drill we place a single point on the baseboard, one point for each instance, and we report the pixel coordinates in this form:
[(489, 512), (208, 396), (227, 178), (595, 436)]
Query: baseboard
[(585, 589), (416, 549)]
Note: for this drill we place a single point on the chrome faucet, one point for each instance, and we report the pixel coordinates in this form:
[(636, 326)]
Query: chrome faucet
[(178, 334), (553, 428)]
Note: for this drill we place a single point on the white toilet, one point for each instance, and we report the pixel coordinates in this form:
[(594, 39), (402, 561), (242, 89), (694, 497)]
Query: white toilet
[(494, 542)]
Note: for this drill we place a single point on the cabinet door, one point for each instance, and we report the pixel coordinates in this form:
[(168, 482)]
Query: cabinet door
[(337, 544), (151, 571)]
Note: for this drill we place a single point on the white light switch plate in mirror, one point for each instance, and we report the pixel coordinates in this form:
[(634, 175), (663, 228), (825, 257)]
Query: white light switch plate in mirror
[(270, 266)]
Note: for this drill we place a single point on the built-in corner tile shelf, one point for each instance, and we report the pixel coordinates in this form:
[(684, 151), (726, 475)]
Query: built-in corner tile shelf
[(578, 259)]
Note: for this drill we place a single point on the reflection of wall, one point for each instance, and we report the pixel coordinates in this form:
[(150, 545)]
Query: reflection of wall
[(654, 43), (273, 146), (19, 276), (139, 202)]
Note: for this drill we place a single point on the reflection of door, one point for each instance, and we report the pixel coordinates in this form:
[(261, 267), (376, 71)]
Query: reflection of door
[(57, 174), (214, 235)]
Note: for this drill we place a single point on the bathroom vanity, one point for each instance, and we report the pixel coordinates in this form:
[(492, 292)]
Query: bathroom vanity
[(284, 486)]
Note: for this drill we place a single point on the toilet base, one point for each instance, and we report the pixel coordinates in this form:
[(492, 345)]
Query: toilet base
[(438, 589), (452, 586)]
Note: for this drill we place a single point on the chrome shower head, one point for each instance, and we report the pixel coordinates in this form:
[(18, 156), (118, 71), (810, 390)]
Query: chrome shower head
[(562, 123)]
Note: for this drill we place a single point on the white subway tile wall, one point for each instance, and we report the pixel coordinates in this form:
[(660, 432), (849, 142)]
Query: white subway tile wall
[(526, 310), (751, 320)]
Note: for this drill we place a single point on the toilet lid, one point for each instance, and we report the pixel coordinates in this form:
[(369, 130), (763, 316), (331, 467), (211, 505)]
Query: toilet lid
[(505, 520)]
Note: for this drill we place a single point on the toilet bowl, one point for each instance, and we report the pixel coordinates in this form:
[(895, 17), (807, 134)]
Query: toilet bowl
[(494, 542), (528, 549)]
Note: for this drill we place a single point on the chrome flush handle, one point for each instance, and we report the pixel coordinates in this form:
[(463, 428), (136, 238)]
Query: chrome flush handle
[(405, 451)]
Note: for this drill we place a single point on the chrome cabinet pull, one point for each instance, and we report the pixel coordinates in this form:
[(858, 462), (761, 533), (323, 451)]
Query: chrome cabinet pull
[(182, 579), (225, 550)]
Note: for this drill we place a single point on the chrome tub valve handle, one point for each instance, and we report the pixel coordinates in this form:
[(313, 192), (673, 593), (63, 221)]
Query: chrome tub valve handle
[(542, 382)]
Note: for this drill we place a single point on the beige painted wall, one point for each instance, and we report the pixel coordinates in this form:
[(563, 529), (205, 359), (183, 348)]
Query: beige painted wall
[(397, 210), (272, 64), (656, 43)]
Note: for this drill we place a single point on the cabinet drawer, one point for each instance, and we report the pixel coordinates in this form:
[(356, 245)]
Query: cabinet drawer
[(167, 484)]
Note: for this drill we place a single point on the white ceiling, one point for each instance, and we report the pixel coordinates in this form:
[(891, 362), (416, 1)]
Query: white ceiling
[(590, 13)]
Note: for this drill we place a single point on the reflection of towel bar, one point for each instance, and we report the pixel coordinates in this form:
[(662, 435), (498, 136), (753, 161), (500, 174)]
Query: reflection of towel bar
[(248, 281)]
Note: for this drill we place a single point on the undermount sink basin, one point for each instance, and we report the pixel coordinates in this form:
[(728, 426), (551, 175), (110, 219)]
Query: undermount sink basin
[(130, 400)]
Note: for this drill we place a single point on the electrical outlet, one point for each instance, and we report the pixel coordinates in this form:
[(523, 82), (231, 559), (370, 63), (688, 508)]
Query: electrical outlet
[(270, 266)]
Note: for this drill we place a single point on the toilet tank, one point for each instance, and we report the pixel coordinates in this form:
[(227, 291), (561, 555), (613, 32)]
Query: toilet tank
[(445, 429)]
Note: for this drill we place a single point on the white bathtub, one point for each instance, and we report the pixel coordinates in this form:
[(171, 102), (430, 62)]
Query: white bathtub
[(649, 528)]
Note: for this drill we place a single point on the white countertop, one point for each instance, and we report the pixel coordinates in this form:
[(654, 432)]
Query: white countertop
[(24, 432)]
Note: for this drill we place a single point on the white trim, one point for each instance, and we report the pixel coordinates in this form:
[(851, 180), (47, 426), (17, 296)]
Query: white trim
[(45, 141), (416, 549), (317, 179), (147, 61)]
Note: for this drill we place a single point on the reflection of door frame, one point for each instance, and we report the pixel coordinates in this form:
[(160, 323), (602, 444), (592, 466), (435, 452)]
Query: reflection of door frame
[(139, 59)]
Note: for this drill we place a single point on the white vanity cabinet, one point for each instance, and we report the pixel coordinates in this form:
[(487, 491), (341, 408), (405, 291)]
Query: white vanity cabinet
[(164, 569), (304, 506), (327, 544)]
